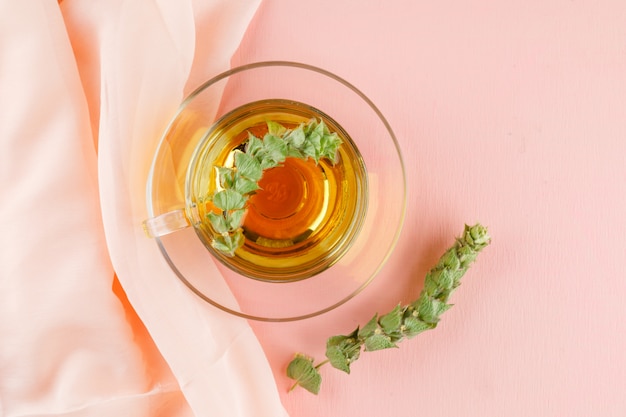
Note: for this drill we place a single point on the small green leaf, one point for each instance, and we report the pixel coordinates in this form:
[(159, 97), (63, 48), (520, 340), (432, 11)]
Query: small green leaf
[(255, 145), (467, 256), (443, 278), (296, 137), (247, 166), (476, 236), (338, 359), (229, 243), (229, 200), (268, 163), (308, 149), (369, 328), (337, 340), (378, 342), (391, 321), (237, 239), (225, 176), (222, 245), (341, 350), (425, 309), (218, 222), (412, 326), (301, 370), (244, 185), (233, 218), (329, 146), (275, 129), (275, 148), (450, 260), (345, 342), (294, 153), (326, 141), (319, 128), (315, 139), (309, 126), (441, 307), (431, 287), (444, 296), (429, 309)]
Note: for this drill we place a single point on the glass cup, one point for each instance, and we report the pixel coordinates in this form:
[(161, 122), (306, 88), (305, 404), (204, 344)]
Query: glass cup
[(315, 233), (301, 219)]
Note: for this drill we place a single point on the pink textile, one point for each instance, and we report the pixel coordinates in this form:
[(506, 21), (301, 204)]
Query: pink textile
[(85, 89)]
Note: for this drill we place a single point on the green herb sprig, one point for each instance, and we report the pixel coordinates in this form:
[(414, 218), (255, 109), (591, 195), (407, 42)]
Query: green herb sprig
[(308, 140), (403, 322)]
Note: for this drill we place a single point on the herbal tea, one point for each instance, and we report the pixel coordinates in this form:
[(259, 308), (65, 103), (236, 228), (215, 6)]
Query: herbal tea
[(277, 190)]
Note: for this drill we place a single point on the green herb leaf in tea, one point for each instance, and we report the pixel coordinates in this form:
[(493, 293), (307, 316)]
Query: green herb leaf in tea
[(229, 199), (312, 139), (248, 166)]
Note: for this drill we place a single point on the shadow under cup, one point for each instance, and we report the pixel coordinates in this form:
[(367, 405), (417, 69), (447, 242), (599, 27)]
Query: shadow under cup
[(333, 224)]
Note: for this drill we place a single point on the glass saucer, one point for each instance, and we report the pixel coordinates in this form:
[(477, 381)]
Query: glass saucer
[(261, 299)]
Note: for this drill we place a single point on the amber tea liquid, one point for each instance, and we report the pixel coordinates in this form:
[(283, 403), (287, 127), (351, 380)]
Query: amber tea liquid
[(304, 217)]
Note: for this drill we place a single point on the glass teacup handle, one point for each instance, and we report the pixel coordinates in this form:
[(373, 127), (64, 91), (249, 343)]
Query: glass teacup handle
[(166, 223)]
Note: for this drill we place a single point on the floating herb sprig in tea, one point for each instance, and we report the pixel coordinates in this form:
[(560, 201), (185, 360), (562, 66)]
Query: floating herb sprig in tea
[(403, 322), (308, 140)]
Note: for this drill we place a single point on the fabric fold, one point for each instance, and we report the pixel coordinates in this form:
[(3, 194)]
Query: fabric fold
[(75, 341), (67, 348)]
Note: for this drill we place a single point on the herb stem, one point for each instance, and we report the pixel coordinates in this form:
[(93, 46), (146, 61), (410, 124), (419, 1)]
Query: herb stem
[(322, 363), (403, 322)]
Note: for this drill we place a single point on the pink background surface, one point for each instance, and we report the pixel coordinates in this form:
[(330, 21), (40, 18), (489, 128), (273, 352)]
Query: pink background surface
[(509, 113)]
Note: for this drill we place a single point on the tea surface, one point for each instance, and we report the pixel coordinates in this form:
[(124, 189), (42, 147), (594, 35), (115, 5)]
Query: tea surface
[(304, 216)]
